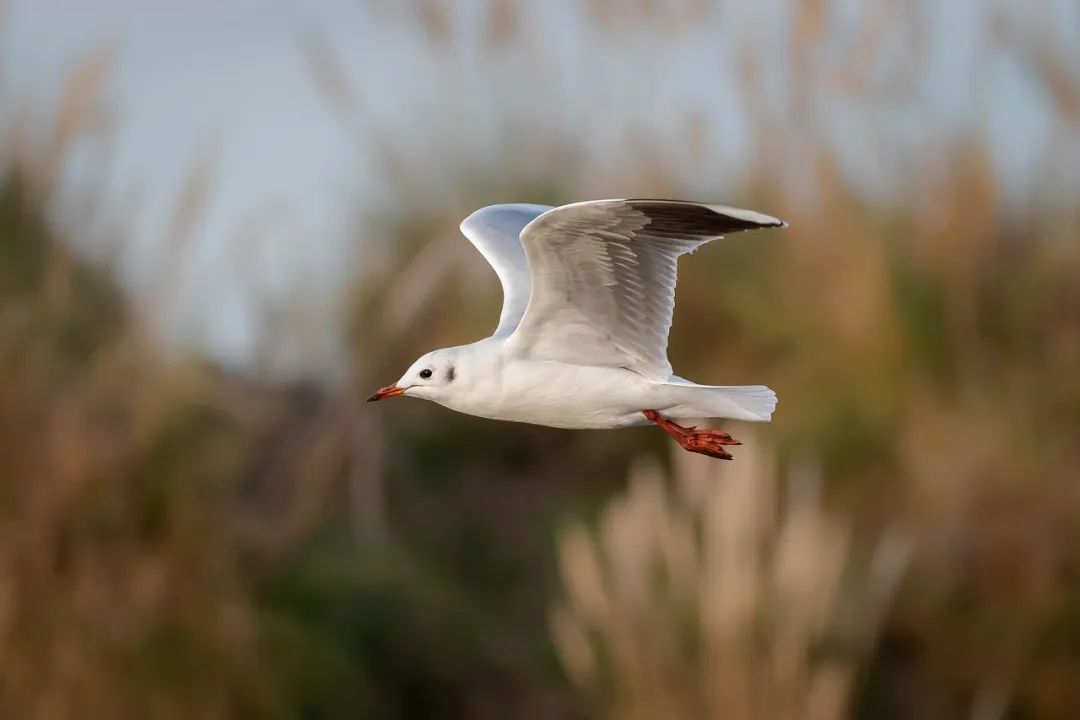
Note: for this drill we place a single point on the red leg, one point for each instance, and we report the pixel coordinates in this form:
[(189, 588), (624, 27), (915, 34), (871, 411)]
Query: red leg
[(706, 442)]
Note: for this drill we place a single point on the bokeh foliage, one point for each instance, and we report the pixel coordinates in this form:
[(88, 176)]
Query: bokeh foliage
[(178, 540)]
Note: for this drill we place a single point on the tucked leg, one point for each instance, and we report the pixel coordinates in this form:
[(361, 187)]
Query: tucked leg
[(706, 442)]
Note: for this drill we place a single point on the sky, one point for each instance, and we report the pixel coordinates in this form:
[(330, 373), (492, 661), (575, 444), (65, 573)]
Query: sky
[(231, 82), (225, 80)]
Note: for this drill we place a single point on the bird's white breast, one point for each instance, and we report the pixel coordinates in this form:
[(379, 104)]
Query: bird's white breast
[(554, 394)]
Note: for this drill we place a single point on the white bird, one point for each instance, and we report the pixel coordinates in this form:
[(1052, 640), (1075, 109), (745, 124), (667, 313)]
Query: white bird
[(588, 295)]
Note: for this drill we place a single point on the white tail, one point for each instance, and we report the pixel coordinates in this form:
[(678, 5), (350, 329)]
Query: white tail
[(738, 402)]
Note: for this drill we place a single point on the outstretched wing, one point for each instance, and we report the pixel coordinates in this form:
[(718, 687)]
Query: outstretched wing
[(603, 278), (495, 231)]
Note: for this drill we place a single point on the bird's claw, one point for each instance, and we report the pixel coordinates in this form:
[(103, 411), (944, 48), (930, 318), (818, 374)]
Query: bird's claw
[(706, 442)]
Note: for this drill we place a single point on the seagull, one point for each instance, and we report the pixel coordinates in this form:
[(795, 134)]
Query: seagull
[(588, 296)]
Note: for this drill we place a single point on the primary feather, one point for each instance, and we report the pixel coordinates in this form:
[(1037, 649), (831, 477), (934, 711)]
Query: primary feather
[(603, 278)]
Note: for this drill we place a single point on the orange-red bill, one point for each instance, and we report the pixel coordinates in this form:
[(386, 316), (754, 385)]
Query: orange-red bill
[(386, 392)]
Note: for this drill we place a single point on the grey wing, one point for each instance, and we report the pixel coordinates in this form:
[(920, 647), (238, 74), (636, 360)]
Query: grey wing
[(603, 278), (495, 231)]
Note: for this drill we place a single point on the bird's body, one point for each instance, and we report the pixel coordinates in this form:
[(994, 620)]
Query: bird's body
[(582, 337), (493, 382)]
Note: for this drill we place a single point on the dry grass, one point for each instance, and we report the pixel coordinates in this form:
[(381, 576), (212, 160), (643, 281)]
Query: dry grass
[(722, 599), (176, 541)]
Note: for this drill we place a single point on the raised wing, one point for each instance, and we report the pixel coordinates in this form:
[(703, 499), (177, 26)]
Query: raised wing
[(603, 278), (495, 231)]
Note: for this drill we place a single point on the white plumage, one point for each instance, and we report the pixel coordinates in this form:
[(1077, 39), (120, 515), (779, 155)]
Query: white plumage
[(588, 297)]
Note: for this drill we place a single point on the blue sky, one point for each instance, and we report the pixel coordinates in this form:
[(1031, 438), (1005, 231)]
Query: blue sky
[(227, 80), (230, 80)]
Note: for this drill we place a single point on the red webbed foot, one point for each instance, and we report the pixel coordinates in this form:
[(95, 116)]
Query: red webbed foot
[(706, 442)]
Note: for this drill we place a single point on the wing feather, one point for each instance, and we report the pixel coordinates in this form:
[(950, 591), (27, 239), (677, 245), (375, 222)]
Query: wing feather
[(603, 278), (495, 231)]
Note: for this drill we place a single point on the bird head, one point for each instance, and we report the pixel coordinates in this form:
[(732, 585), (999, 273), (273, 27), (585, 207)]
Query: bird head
[(427, 378)]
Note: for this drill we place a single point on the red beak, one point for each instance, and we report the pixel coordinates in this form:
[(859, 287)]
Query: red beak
[(386, 392)]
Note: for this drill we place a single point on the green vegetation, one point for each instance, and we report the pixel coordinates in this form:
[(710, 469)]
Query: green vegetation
[(180, 541)]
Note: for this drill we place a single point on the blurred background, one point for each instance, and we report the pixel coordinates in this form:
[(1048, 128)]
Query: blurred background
[(223, 224)]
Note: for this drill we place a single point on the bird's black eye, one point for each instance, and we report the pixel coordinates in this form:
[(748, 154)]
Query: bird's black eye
[(425, 373)]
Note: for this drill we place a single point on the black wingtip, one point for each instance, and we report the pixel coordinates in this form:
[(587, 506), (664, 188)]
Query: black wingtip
[(704, 218)]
